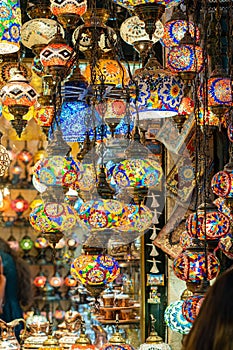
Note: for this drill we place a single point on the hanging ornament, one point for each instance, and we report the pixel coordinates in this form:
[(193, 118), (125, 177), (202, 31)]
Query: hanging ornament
[(19, 204), (68, 12), (4, 158)]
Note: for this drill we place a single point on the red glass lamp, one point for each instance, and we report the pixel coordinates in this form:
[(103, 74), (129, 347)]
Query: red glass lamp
[(191, 307), (68, 12), (190, 266), (19, 204)]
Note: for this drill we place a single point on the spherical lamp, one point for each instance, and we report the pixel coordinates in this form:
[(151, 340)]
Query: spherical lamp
[(174, 31), (191, 307), (68, 12), (190, 266), (175, 319)]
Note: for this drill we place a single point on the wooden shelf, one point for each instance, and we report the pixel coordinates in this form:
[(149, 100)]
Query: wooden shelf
[(115, 308), (131, 321)]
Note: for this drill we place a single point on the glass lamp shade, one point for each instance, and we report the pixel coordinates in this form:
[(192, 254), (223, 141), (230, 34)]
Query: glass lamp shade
[(52, 217), (5, 204), (208, 119), (56, 281), (131, 4), (95, 269), (38, 186), (87, 182), (10, 24), (210, 225), (112, 110), (133, 30), (137, 173), (113, 346), (190, 266), (154, 346), (159, 95), (4, 160), (25, 156), (219, 92), (185, 58), (225, 244), (61, 7), (55, 56), (44, 115), (107, 71), (75, 121), (8, 70), (174, 318), (101, 214), (39, 281), (135, 218), (191, 307), (17, 169), (70, 281), (26, 243), (18, 92), (222, 184), (41, 242), (175, 30), (39, 32), (94, 33), (19, 204), (58, 170)]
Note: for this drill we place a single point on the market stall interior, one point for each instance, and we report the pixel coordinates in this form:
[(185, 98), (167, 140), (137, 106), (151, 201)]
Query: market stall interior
[(116, 166)]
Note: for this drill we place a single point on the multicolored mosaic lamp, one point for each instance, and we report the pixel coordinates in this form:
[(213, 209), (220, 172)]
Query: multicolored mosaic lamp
[(68, 12), (222, 183), (175, 319), (117, 341), (160, 93), (207, 223), (148, 11), (4, 158), (44, 113), (94, 270), (10, 24), (175, 30), (101, 214), (53, 218), (187, 58), (219, 92), (190, 266), (191, 307), (18, 97), (135, 218)]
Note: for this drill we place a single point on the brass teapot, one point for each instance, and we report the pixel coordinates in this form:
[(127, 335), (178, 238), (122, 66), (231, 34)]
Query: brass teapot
[(8, 339)]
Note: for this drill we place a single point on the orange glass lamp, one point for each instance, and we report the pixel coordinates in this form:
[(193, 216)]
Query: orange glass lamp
[(108, 72), (44, 113), (68, 12)]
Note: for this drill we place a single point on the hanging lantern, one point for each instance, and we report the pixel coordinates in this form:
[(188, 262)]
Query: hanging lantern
[(207, 223), (10, 23), (83, 342), (191, 307), (94, 34), (41, 242), (39, 281), (55, 57), (174, 318), (26, 243), (68, 12), (19, 204), (208, 119), (38, 32), (159, 92), (101, 214), (94, 270), (117, 342), (70, 281), (44, 113), (190, 266), (57, 170), (18, 98), (135, 218), (219, 92), (132, 30), (107, 72), (187, 59), (8, 69), (4, 158), (56, 281), (175, 30), (225, 244), (222, 183), (25, 155), (53, 218), (148, 11), (40, 153)]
